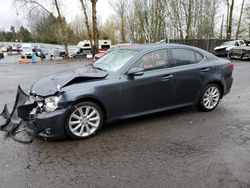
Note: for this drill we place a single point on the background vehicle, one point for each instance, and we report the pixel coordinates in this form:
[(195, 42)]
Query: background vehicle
[(240, 52), (82, 53), (56, 53), (224, 48), (41, 53), (26, 51), (143, 78), (1, 54), (6, 48)]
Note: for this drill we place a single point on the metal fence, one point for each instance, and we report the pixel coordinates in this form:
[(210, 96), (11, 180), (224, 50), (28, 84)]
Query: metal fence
[(206, 44)]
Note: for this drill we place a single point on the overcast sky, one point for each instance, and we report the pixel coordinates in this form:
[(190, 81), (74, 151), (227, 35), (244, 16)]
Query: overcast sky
[(71, 8), (9, 16)]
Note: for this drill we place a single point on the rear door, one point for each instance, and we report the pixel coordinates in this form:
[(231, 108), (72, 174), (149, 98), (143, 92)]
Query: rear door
[(191, 69)]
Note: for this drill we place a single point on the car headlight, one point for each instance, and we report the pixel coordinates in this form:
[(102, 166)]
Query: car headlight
[(51, 103)]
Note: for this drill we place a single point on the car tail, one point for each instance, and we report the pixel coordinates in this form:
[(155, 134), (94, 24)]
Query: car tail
[(231, 66)]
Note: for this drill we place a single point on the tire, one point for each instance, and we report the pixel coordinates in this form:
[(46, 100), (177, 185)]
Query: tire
[(229, 56), (84, 120), (210, 98)]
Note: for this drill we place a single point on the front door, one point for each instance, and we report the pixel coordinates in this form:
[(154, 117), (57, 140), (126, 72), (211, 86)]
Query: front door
[(151, 91)]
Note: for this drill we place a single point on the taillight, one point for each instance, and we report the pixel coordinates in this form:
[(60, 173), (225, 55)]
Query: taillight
[(231, 66)]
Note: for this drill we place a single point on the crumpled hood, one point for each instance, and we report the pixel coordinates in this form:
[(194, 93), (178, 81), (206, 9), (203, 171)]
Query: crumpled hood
[(220, 47), (51, 84)]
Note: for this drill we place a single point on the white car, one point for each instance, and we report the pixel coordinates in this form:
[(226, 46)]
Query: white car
[(224, 48), (26, 51)]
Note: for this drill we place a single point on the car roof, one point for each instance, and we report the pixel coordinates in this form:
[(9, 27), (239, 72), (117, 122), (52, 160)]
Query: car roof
[(155, 46), (149, 46)]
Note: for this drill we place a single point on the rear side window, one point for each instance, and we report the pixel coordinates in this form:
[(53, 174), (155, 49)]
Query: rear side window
[(241, 42), (185, 57), (199, 57)]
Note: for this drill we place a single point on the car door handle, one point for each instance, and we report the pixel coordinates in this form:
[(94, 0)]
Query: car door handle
[(167, 77), (205, 69)]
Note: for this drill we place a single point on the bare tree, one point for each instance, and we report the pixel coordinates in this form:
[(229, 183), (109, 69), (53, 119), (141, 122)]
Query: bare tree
[(39, 5), (64, 28), (86, 20), (239, 22), (120, 8), (189, 16), (230, 18), (95, 29)]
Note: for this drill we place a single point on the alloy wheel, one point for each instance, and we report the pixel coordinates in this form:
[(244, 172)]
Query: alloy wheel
[(84, 121), (211, 97)]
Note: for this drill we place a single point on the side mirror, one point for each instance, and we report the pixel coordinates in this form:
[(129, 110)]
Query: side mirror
[(135, 72)]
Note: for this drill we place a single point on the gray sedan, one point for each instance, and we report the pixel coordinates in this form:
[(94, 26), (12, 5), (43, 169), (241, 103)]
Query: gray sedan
[(127, 82)]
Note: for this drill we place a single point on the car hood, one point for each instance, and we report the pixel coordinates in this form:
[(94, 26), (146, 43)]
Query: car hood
[(52, 84), (220, 47)]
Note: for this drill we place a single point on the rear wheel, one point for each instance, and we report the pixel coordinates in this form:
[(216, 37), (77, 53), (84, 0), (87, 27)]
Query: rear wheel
[(84, 120), (210, 98)]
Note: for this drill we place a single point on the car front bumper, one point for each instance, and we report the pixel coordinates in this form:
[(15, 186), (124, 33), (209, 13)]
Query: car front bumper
[(48, 125), (36, 120), (220, 52)]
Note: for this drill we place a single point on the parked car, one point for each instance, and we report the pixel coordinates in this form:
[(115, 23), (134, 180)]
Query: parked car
[(40, 53), (14, 48), (19, 47), (240, 52), (224, 48), (26, 51), (82, 53), (127, 82), (6, 48), (56, 53), (1, 54)]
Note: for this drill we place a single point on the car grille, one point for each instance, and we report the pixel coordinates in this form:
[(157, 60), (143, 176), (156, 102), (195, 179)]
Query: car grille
[(32, 115)]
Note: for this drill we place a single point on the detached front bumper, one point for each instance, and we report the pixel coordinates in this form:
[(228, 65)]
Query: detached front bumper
[(48, 125), (37, 121)]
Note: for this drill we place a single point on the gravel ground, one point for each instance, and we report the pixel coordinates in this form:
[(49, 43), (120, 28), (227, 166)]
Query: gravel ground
[(179, 148)]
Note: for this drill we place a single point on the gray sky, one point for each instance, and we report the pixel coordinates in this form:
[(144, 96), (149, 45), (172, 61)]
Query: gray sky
[(9, 16), (71, 8)]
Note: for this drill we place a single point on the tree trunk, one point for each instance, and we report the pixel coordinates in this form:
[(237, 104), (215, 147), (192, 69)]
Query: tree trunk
[(87, 24), (64, 29), (189, 19), (123, 34), (228, 8), (241, 12), (222, 26), (95, 29), (229, 29)]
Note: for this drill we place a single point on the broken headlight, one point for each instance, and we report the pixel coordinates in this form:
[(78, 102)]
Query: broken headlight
[(51, 103)]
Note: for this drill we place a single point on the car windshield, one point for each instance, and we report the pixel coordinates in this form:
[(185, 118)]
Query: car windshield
[(26, 49), (115, 60), (229, 43)]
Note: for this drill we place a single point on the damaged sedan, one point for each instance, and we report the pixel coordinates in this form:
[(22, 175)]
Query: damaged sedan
[(127, 82)]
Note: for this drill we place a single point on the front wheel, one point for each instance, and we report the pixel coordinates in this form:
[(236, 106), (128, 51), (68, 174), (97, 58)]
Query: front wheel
[(210, 98), (84, 120)]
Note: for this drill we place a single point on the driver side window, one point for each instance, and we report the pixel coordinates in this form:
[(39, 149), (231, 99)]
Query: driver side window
[(153, 60)]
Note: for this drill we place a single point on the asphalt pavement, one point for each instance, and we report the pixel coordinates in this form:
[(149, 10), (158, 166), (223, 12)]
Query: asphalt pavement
[(178, 148)]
